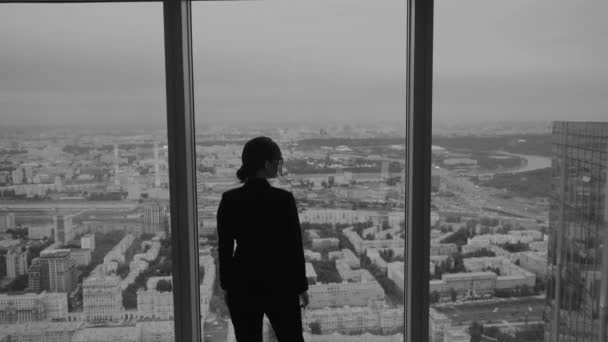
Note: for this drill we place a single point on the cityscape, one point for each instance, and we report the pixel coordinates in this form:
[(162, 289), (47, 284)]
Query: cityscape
[(518, 240), (85, 253)]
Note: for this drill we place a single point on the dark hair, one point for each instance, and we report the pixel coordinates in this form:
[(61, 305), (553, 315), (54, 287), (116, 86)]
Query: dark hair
[(255, 153)]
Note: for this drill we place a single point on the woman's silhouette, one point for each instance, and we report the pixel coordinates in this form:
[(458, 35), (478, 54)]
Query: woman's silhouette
[(265, 273)]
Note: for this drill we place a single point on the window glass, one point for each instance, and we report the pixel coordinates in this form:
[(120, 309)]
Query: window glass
[(518, 239), (84, 200), (326, 81)]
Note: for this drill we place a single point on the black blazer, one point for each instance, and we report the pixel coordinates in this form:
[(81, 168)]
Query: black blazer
[(263, 221)]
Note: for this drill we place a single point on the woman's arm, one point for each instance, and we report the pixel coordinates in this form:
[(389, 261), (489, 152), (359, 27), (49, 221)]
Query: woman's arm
[(302, 281), (225, 244)]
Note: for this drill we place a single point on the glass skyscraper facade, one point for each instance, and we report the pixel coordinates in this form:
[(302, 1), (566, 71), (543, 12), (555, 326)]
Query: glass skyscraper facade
[(577, 284)]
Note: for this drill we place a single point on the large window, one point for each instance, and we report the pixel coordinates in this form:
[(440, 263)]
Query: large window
[(85, 248), (518, 236), (108, 190), (326, 80)]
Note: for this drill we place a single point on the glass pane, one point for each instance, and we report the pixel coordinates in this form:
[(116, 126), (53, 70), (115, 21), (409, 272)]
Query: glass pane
[(326, 81), (84, 235), (518, 235)]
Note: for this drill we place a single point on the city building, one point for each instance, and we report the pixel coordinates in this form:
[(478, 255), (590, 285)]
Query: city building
[(81, 257), (366, 337), (42, 331), (102, 298), (352, 275), (312, 256), (32, 307), (395, 272), (155, 304), (438, 324), (17, 176), (16, 262), (325, 243), (362, 245), (311, 275), (117, 253), (443, 249), (39, 232), (353, 320), (347, 256), (577, 281), (154, 218), (87, 241), (54, 271), (129, 226), (62, 225), (456, 335), (532, 261), (345, 294), (499, 239), (7, 221), (345, 216), (464, 284), (510, 276), (435, 183)]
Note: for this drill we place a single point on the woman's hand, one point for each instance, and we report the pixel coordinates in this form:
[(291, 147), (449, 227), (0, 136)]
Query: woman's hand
[(304, 301)]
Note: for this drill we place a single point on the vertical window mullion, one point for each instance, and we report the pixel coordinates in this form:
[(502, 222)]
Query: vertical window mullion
[(418, 135), (182, 177)]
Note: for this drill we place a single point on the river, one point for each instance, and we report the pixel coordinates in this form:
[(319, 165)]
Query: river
[(534, 163)]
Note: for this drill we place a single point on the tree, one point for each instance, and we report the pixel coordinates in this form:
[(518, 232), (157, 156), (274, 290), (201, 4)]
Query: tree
[(315, 328), (476, 330), (515, 247), (18, 284), (434, 297), (18, 233), (385, 225), (164, 286), (453, 294), (459, 237), (539, 285), (129, 297), (122, 270), (452, 219), (484, 231)]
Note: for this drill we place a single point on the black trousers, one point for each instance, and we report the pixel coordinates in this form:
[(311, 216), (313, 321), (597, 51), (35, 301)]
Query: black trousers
[(247, 313)]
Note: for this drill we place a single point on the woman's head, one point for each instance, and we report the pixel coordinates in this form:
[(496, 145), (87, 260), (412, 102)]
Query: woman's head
[(261, 157)]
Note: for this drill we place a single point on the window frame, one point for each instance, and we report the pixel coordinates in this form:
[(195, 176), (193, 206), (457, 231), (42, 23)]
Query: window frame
[(419, 101), (177, 20)]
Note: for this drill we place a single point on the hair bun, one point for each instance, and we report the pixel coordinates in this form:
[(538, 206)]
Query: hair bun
[(240, 174)]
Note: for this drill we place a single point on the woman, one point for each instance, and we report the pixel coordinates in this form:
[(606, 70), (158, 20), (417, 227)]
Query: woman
[(266, 272)]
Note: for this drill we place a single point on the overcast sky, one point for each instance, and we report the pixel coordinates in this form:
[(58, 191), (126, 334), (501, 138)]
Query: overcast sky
[(285, 60)]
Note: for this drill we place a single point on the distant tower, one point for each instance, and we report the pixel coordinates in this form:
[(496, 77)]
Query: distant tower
[(116, 181), (384, 170), (154, 218), (156, 172)]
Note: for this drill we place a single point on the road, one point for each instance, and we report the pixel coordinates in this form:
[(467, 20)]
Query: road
[(474, 198), (510, 310)]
